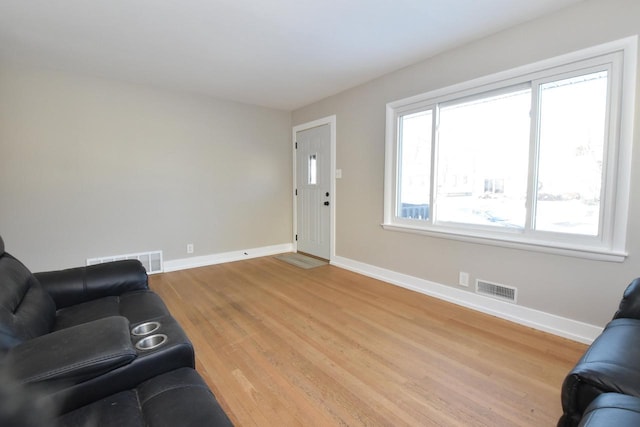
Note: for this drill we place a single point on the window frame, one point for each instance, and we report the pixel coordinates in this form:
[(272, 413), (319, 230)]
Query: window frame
[(620, 59)]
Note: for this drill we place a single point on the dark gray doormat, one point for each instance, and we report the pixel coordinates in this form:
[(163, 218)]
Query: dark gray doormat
[(300, 260)]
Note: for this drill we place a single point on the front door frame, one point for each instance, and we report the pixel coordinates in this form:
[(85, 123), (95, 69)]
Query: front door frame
[(331, 121)]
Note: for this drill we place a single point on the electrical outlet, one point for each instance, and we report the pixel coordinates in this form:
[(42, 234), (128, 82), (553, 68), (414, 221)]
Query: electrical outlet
[(463, 279), (189, 248)]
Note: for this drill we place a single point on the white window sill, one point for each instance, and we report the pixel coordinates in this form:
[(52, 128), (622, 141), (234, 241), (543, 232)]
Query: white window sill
[(514, 242)]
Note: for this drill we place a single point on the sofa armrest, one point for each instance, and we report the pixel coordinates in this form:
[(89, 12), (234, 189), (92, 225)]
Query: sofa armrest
[(81, 284), (630, 305), (73, 355)]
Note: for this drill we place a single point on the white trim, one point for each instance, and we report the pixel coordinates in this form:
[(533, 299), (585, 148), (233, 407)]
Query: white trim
[(561, 326), (331, 121), (219, 258), (507, 241), (626, 128)]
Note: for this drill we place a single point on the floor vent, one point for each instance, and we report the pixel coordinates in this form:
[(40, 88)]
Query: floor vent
[(152, 261), (495, 290)]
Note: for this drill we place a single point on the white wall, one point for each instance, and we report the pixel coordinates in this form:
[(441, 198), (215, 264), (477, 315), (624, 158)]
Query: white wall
[(90, 167), (579, 289)]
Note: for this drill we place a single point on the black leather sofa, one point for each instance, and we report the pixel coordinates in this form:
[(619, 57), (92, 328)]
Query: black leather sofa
[(78, 338), (605, 383)]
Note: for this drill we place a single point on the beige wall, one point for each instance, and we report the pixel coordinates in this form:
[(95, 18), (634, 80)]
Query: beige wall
[(90, 167), (575, 288)]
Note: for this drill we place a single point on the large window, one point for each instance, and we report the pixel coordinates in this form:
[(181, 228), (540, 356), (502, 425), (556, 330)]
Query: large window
[(535, 157)]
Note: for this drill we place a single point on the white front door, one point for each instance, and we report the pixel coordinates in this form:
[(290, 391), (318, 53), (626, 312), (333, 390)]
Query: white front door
[(313, 186)]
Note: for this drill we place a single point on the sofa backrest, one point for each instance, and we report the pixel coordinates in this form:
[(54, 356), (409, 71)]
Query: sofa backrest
[(26, 309)]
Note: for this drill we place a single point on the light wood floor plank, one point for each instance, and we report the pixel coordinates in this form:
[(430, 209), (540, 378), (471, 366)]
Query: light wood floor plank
[(284, 346)]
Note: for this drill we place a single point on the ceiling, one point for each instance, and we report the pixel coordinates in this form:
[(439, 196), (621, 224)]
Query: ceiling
[(276, 53)]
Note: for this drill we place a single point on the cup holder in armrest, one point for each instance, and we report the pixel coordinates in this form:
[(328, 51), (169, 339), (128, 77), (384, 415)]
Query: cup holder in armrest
[(145, 328), (151, 342)]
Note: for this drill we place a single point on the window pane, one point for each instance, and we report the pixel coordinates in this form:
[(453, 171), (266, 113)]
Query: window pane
[(414, 180), (483, 152), (572, 124), (312, 167)]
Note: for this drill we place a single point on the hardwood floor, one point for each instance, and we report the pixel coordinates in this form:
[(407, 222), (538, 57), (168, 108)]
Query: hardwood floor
[(284, 346)]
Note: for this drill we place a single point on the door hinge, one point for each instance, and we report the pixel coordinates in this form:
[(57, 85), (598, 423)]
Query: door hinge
[(296, 145), (296, 191), (296, 237)]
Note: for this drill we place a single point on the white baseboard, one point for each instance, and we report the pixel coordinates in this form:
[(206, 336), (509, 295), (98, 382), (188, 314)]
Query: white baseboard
[(567, 328), (204, 260)]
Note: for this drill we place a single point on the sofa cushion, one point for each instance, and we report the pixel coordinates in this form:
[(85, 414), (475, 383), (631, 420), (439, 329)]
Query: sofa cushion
[(177, 398), (86, 312), (120, 410), (26, 310), (612, 409), (137, 307)]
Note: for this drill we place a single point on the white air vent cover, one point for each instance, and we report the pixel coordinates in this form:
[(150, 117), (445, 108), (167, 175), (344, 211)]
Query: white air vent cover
[(152, 261), (495, 290)]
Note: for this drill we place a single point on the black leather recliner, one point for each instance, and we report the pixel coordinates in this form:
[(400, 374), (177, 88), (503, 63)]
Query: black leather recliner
[(71, 330), (32, 305), (611, 364), (99, 347)]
